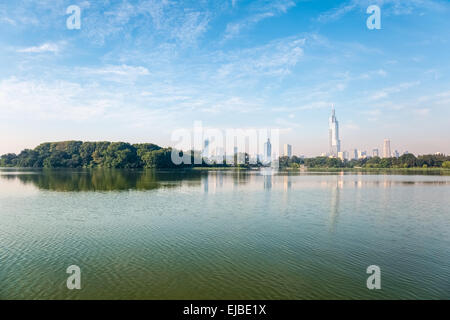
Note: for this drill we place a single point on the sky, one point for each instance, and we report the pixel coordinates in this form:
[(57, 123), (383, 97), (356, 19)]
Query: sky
[(136, 71)]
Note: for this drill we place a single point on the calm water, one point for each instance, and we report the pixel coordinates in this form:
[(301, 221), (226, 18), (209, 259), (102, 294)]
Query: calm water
[(223, 235)]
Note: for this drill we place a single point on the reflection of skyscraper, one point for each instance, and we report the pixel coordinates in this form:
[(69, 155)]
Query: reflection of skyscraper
[(287, 150), (268, 181), (335, 143), (387, 148), (335, 199)]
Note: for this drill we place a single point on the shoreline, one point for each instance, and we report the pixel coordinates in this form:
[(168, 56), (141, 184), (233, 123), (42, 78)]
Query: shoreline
[(286, 169)]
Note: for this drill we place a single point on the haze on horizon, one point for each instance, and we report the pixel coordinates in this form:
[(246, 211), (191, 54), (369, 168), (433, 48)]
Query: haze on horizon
[(138, 70)]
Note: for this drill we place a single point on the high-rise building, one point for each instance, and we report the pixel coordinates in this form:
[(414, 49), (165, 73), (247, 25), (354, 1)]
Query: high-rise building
[(355, 154), (395, 154), (267, 150), (387, 148), (335, 143), (287, 150), (375, 153)]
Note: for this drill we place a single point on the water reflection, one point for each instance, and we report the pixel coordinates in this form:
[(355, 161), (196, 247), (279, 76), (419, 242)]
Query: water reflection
[(335, 200), (102, 179), (210, 182)]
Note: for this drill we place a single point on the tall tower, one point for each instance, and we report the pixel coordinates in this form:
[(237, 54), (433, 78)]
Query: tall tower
[(267, 151), (335, 143), (387, 148)]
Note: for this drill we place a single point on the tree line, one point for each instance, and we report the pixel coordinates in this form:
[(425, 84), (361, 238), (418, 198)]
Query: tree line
[(78, 154), (104, 154), (405, 161)]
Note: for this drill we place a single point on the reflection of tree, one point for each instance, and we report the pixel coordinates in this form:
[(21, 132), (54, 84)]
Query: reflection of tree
[(104, 179)]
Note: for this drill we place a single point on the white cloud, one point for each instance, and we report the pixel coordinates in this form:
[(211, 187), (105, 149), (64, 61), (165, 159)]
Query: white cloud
[(46, 47), (122, 70), (8, 20), (71, 101)]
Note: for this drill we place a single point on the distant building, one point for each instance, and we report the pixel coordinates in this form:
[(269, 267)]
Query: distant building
[(387, 148), (267, 151), (395, 154), (205, 151), (287, 150), (343, 155), (375, 153), (355, 154), (362, 154), (335, 143), (406, 152)]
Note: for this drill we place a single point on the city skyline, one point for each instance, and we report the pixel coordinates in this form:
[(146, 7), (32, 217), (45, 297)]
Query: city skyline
[(136, 71)]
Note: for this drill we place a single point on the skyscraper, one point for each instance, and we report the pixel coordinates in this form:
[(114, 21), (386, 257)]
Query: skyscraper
[(387, 148), (287, 150), (335, 143), (267, 150)]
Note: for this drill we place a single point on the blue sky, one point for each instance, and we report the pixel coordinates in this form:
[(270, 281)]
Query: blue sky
[(137, 70)]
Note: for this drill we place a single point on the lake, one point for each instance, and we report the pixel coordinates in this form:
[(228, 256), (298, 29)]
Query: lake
[(199, 234)]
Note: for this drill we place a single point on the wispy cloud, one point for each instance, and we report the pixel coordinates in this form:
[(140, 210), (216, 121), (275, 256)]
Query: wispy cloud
[(46, 47), (269, 10), (276, 58), (123, 70), (146, 20), (386, 92), (389, 7)]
